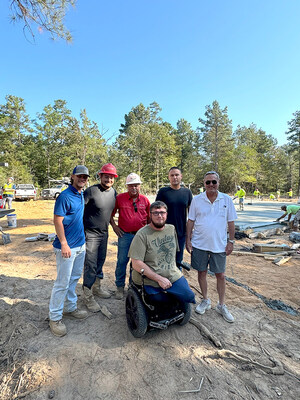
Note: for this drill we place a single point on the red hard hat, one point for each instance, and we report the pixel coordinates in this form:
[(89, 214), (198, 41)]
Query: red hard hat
[(108, 169)]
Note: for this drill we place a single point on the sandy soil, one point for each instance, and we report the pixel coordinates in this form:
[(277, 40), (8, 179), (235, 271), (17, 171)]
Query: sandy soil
[(100, 359)]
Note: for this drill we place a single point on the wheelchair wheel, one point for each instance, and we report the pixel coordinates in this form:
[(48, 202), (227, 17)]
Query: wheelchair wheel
[(187, 309), (137, 319)]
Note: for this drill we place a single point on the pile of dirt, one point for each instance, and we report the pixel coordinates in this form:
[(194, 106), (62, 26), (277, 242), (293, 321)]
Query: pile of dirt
[(257, 358)]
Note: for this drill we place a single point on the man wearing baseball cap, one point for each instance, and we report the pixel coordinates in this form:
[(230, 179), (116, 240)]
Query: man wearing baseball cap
[(69, 248), (134, 213), (99, 203)]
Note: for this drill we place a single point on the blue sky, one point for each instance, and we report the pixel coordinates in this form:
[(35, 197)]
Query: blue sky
[(181, 54)]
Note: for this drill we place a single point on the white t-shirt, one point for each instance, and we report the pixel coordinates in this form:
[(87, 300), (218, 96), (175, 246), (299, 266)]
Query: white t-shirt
[(210, 221)]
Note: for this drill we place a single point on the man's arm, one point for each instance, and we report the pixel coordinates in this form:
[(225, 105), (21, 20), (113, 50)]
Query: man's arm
[(282, 216), (231, 230), (60, 231), (189, 230), (118, 231), (138, 265)]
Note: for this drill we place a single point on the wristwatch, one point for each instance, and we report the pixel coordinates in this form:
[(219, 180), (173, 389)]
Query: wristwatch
[(231, 241)]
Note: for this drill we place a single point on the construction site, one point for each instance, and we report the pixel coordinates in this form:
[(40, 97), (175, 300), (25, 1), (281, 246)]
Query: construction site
[(256, 357)]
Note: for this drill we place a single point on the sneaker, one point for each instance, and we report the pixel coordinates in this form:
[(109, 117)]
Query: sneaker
[(120, 293), (203, 306), (77, 314), (58, 328), (224, 312)]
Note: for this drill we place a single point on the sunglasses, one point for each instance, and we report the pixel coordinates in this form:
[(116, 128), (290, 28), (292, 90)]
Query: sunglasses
[(135, 206), (157, 213), (214, 182)]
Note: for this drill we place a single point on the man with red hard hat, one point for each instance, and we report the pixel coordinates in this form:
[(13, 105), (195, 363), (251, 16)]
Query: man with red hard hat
[(99, 203), (134, 213)]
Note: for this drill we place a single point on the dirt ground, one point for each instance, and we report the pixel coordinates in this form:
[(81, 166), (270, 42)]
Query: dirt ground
[(100, 359)]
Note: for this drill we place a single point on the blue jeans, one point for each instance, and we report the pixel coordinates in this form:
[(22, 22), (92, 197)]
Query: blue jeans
[(179, 254), (69, 271), (179, 289), (96, 248), (124, 243)]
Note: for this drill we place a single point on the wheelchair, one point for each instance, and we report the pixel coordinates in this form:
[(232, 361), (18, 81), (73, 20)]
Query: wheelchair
[(144, 313)]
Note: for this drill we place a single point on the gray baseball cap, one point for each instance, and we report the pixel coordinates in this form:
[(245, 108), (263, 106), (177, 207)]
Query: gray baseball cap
[(81, 170)]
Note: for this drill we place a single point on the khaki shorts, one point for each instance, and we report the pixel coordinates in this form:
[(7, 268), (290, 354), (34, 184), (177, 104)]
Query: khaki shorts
[(200, 260)]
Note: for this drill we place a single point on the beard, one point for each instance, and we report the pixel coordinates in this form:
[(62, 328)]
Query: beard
[(158, 224)]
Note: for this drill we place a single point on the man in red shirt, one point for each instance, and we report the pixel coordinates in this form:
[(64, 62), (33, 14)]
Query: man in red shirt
[(134, 213)]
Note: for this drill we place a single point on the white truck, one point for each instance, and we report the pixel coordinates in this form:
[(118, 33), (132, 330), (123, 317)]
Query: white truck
[(25, 191), (56, 189)]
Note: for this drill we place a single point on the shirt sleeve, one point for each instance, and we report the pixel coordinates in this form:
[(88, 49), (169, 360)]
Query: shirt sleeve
[(192, 211), (86, 195), (61, 206), (159, 196), (232, 215), (137, 248)]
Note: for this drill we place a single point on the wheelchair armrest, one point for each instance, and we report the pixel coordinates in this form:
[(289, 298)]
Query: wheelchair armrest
[(184, 265)]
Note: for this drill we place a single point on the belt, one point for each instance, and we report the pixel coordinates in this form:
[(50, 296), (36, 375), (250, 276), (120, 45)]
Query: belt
[(132, 233)]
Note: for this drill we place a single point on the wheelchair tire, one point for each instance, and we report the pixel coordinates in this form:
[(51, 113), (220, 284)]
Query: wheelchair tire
[(187, 309), (136, 315)]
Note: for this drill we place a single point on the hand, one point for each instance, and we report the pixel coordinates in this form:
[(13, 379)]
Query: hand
[(118, 231), (164, 283), (229, 248), (188, 245), (65, 250)]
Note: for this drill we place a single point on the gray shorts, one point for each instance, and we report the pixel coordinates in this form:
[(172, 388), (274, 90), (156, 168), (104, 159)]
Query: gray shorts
[(202, 258)]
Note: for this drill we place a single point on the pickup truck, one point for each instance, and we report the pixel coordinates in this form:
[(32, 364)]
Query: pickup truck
[(52, 193), (25, 191)]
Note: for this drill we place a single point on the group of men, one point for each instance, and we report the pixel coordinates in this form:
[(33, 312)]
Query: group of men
[(152, 236)]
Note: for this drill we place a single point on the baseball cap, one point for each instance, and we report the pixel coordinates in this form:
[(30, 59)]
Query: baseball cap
[(81, 170)]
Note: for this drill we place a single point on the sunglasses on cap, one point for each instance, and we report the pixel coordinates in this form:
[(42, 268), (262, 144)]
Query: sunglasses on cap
[(214, 182)]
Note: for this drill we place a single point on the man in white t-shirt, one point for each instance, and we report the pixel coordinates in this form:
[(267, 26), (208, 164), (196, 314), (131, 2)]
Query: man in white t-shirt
[(211, 213)]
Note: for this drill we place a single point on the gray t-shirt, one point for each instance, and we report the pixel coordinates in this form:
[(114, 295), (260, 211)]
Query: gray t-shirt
[(157, 249), (99, 204)]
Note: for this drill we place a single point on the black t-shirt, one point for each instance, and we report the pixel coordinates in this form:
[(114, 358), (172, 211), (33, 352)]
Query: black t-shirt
[(177, 201), (99, 204)]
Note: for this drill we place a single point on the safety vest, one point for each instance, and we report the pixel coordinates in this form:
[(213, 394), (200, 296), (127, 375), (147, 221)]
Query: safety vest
[(8, 188)]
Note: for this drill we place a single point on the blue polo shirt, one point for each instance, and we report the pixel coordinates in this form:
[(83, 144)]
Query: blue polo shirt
[(70, 205)]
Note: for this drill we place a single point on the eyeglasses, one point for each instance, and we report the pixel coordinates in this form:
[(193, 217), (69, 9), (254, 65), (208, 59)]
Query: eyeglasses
[(157, 213), (214, 182), (135, 206), (82, 176)]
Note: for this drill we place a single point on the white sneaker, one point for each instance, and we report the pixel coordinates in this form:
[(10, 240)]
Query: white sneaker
[(203, 306), (224, 312)]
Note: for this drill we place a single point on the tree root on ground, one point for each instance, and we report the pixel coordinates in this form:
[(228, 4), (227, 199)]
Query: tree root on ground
[(204, 331)]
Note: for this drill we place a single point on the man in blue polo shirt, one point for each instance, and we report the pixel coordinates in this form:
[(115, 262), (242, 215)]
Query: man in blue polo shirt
[(69, 248)]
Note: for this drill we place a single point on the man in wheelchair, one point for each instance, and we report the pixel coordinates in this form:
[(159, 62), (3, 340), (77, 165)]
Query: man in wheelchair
[(159, 294)]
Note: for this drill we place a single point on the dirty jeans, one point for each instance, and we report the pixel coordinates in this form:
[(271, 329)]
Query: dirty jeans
[(124, 243), (69, 271), (96, 248)]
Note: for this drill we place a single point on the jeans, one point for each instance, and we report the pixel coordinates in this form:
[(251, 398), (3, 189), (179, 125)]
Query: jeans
[(179, 254), (179, 289), (8, 201), (124, 243), (69, 271), (96, 248)]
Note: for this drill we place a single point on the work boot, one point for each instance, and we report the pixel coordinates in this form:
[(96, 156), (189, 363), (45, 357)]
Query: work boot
[(120, 293), (58, 328), (77, 314), (99, 291), (89, 300)]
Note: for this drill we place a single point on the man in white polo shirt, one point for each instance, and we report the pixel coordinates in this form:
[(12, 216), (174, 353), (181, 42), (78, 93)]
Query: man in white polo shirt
[(210, 214)]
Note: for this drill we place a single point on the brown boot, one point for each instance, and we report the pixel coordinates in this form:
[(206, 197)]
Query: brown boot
[(99, 291), (76, 314), (58, 328), (89, 300), (120, 293)]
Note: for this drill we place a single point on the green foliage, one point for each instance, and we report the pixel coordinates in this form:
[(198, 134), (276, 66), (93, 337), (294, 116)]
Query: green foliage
[(293, 134), (48, 15)]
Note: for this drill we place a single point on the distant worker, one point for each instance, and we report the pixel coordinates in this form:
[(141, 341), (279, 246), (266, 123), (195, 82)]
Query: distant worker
[(256, 193), (69, 247), (8, 193), (272, 196), (178, 200), (290, 193), (289, 211), (99, 202), (134, 213), (212, 213), (278, 195), (241, 193)]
